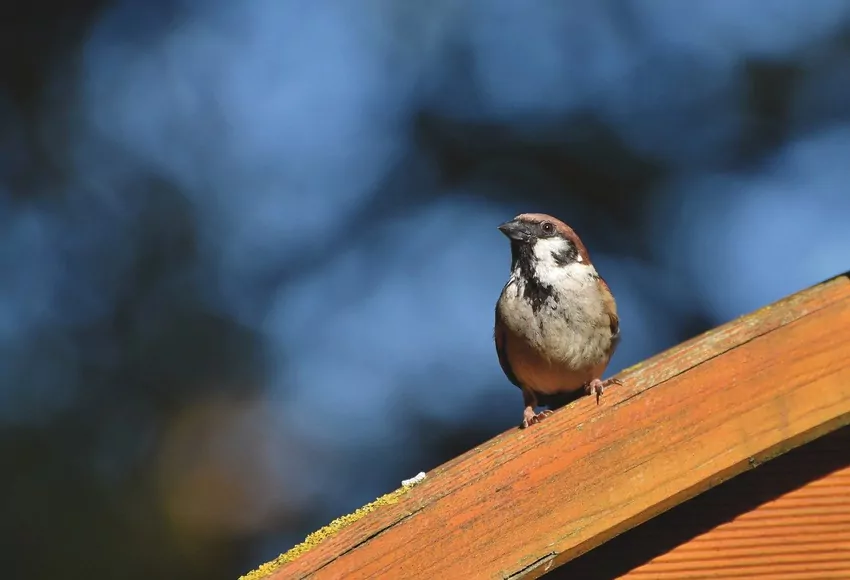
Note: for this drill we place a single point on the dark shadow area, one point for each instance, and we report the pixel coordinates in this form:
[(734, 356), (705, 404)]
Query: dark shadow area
[(711, 509)]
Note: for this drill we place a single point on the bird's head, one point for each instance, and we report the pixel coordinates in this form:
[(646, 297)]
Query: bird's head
[(545, 241)]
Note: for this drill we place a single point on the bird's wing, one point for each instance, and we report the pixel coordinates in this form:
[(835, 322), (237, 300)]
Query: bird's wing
[(501, 350), (610, 308), (615, 331)]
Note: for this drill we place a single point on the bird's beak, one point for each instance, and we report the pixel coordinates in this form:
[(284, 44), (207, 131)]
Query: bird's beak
[(516, 230)]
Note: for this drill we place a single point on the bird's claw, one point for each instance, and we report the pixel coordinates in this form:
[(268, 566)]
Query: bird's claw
[(530, 417), (597, 386)]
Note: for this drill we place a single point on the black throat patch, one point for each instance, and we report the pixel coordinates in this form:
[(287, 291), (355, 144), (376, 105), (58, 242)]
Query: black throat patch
[(535, 291)]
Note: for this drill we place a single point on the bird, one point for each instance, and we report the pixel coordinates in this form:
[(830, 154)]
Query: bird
[(556, 325)]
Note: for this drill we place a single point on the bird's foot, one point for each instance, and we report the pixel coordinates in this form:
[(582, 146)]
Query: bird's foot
[(529, 417), (597, 386)]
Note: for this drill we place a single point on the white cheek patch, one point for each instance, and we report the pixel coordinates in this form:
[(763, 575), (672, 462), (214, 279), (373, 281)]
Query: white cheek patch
[(551, 272), (543, 249)]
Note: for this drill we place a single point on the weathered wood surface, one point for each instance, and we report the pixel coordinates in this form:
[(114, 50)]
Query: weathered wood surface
[(529, 500), (803, 533)]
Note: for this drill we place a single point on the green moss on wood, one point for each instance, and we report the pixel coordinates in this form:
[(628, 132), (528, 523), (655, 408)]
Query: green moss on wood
[(322, 534)]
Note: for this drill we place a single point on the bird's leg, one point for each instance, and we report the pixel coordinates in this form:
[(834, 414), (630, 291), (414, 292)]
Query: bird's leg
[(597, 386), (529, 417)]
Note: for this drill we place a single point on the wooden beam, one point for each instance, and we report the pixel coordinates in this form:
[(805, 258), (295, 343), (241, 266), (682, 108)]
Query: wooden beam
[(801, 534), (529, 500), (646, 551)]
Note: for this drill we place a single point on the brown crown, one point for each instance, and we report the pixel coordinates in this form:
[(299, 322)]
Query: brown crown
[(566, 231)]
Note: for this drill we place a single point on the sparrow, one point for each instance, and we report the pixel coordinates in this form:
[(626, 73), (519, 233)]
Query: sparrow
[(556, 323)]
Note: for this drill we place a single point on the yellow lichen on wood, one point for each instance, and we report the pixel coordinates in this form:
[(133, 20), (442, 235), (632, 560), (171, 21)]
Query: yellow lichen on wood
[(322, 534)]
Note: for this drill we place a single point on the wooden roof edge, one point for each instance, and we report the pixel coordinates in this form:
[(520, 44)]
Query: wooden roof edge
[(685, 420)]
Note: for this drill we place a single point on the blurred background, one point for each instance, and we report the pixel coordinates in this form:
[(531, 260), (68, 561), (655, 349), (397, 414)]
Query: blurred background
[(249, 257)]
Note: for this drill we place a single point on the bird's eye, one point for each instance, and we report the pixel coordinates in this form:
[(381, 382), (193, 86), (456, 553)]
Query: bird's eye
[(548, 228)]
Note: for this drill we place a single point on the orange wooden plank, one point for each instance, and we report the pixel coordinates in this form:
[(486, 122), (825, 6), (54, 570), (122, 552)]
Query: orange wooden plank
[(804, 531), (684, 421), (742, 501)]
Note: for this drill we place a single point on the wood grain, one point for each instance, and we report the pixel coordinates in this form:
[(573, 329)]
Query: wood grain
[(732, 501), (684, 421), (804, 533)]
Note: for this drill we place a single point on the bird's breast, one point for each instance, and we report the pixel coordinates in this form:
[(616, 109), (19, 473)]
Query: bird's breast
[(567, 339)]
